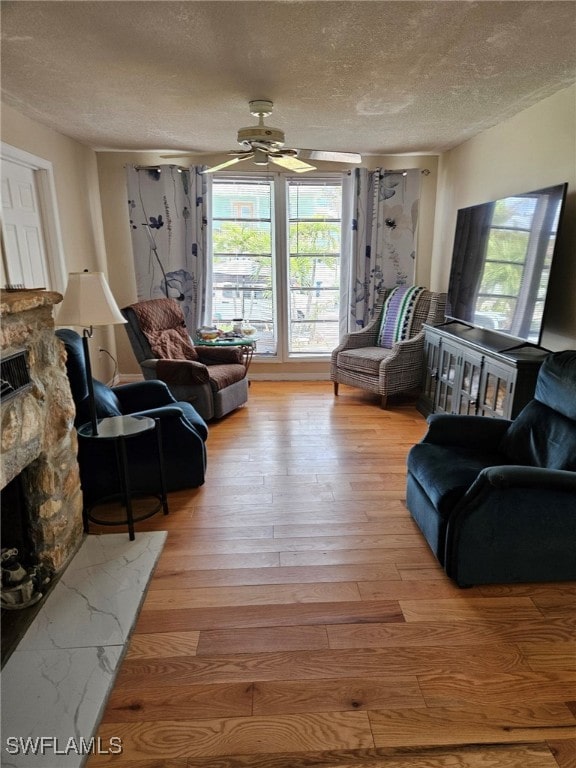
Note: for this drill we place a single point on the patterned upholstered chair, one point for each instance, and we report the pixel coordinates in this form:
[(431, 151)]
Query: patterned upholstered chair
[(212, 379), (387, 356)]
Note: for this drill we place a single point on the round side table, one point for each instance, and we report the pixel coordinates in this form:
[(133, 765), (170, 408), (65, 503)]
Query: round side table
[(119, 429)]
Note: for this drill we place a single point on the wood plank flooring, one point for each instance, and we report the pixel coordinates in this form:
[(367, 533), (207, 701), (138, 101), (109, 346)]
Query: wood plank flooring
[(297, 618)]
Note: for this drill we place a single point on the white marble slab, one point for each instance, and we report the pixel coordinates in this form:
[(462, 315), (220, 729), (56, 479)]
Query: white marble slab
[(56, 682)]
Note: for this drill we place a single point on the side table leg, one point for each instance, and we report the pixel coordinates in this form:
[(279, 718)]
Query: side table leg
[(163, 495), (125, 480)]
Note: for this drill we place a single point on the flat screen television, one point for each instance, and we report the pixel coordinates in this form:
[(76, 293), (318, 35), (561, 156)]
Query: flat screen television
[(501, 262)]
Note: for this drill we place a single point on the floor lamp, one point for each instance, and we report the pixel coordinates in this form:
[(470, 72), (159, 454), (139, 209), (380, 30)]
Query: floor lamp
[(87, 302)]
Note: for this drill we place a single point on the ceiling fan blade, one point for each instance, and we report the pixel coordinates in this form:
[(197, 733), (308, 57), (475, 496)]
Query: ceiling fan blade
[(331, 157), (227, 163), (291, 163)]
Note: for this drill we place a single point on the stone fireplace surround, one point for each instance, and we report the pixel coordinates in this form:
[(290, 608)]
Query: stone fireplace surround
[(38, 441)]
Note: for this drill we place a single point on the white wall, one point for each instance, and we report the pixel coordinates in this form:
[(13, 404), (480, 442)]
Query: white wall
[(78, 200), (535, 148)]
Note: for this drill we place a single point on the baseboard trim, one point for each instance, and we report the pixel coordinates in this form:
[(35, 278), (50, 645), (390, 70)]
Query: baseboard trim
[(129, 378), (289, 376)]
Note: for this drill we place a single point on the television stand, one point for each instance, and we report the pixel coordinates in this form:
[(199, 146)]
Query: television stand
[(467, 326), (470, 371), (524, 345)]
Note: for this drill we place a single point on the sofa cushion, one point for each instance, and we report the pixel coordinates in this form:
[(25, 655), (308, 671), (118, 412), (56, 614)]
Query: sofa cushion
[(222, 376), (446, 473), (172, 344), (162, 322), (541, 437), (398, 314), (365, 360)]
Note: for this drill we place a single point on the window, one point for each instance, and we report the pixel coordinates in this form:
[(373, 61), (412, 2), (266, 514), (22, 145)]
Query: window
[(276, 260)]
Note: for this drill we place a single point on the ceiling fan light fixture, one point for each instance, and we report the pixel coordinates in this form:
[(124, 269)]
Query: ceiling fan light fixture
[(260, 157), (264, 144)]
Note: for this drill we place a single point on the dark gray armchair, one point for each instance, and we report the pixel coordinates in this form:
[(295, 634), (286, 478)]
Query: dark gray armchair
[(212, 379), (496, 499), (184, 431)]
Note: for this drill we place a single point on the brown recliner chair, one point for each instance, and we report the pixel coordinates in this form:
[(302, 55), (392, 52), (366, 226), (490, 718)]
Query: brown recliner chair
[(212, 379), (387, 356)]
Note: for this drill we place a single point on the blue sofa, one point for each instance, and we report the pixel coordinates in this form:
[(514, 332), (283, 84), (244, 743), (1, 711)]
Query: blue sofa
[(496, 499), (184, 432)]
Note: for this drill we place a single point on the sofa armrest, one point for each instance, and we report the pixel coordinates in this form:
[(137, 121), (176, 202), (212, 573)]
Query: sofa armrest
[(177, 371), (143, 394), (514, 524), (164, 412), (453, 429), (219, 355), (413, 348), (514, 476), (365, 337)]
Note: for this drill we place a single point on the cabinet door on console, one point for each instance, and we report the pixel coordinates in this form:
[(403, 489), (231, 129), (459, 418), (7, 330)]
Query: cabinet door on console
[(466, 397), (448, 376), (427, 399), (496, 390)]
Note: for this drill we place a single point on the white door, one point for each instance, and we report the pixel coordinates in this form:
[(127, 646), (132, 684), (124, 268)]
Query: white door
[(23, 252)]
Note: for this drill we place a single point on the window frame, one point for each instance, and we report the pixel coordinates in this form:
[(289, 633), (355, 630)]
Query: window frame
[(280, 226)]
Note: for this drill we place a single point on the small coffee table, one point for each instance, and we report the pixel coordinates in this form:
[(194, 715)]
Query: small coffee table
[(118, 429)]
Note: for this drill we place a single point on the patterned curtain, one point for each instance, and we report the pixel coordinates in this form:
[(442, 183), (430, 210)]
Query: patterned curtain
[(383, 244), (167, 208)]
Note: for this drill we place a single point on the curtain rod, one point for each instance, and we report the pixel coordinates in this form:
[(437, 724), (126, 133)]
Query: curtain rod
[(159, 167), (180, 168)]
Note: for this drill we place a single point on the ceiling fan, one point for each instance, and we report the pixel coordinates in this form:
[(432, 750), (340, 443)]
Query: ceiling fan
[(263, 144)]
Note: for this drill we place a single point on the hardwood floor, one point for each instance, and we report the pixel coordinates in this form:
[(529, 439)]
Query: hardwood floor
[(297, 618)]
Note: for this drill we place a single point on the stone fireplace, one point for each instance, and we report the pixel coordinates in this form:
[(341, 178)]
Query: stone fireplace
[(38, 440)]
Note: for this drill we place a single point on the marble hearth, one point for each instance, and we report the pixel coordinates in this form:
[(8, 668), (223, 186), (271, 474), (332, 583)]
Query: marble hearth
[(56, 683)]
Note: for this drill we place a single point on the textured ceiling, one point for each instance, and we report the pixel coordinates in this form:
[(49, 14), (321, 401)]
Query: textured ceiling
[(372, 77)]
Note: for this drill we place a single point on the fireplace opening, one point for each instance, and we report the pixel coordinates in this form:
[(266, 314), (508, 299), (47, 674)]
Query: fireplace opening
[(15, 521), (24, 580)]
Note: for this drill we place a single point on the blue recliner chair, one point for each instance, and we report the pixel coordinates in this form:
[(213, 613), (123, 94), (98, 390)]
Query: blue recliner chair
[(184, 432), (496, 499)]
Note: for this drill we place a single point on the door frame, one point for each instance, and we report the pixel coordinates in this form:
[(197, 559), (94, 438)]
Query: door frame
[(48, 204)]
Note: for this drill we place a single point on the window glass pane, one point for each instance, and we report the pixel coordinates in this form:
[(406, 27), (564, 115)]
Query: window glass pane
[(309, 237), (236, 237), (314, 242), (241, 199), (243, 258)]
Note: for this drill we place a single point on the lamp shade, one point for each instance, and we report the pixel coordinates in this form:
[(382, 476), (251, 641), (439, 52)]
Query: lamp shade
[(88, 301)]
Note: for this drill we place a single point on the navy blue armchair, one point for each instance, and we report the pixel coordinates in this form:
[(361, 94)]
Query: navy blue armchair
[(496, 499), (184, 432)]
